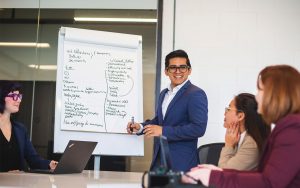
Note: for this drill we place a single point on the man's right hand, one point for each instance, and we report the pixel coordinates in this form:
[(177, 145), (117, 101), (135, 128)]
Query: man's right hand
[(133, 127)]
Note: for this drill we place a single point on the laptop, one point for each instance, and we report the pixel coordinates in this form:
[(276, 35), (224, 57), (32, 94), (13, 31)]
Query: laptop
[(73, 160)]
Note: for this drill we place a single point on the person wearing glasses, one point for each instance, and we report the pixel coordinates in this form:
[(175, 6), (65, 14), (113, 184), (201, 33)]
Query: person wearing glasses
[(278, 99), (245, 136), (181, 115), (15, 146)]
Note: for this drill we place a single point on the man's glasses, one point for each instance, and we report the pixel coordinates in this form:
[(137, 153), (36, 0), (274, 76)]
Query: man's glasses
[(15, 96), (181, 68), (227, 109)]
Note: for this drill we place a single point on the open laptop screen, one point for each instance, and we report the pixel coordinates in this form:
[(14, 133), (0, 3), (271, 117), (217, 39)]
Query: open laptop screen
[(74, 158)]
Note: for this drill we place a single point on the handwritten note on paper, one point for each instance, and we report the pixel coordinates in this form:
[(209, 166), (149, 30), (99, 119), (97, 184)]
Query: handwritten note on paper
[(98, 89)]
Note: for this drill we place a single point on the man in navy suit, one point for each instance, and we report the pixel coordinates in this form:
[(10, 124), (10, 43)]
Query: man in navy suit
[(181, 115)]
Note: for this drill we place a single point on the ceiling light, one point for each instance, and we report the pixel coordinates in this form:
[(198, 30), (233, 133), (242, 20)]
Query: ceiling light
[(25, 44), (136, 20), (43, 67)]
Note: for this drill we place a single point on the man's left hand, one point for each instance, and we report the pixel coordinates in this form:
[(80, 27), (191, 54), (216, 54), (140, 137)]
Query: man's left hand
[(152, 130)]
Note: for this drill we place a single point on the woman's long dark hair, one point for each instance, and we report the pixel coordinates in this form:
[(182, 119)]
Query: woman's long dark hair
[(5, 88), (254, 123)]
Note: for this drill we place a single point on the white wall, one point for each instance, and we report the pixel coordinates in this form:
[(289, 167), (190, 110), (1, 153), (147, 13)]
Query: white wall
[(229, 42)]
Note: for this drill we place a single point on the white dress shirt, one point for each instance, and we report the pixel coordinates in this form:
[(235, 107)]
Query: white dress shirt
[(167, 100), (242, 136), (272, 126), (169, 97)]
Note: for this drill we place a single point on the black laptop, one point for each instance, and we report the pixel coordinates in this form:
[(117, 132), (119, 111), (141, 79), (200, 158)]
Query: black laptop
[(73, 160)]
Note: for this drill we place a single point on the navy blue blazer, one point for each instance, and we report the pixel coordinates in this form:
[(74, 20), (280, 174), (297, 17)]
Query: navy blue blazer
[(185, 120), (27, 150)]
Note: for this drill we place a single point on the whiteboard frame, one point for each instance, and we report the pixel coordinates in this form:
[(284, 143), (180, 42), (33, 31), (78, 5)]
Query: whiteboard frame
[(108, 143)]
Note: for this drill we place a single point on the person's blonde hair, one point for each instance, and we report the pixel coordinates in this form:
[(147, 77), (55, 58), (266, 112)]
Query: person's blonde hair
[(281, 85)]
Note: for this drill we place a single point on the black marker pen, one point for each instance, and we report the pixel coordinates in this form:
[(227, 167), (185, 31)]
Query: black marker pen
[(132, 122)]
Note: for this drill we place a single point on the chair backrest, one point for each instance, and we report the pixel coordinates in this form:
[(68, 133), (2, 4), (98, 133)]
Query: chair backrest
[(210, 153)]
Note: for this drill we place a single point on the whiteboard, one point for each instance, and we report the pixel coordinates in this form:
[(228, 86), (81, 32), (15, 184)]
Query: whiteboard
[(98, 90)]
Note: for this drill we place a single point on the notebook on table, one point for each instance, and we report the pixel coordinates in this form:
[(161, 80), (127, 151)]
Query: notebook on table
[(73, 160)]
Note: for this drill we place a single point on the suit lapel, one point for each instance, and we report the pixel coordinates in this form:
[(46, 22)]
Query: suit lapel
[(160, 115), (177, 97)]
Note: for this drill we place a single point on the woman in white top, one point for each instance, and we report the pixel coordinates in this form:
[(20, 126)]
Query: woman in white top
[(245, 135)]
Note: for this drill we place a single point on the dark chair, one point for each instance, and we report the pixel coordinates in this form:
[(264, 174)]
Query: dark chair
[(210, 153)]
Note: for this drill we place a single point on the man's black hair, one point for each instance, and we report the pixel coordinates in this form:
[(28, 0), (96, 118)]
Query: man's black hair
[(177, 53)]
